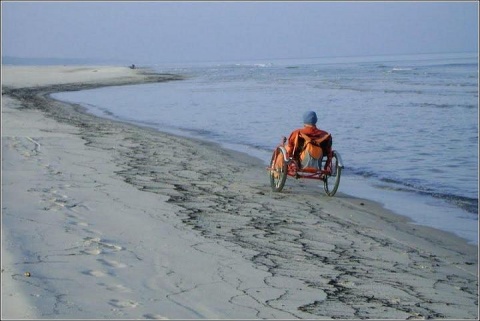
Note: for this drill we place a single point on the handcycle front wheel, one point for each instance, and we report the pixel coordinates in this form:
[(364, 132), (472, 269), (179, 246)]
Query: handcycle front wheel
[(332, 180), (278, 170)]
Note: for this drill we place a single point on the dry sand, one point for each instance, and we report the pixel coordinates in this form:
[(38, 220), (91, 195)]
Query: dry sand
[(116, 221)]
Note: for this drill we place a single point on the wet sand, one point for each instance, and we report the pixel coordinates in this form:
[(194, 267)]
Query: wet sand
[(113, 220)]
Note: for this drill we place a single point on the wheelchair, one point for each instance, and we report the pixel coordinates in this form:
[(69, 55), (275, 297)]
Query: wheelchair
[(283, 164)]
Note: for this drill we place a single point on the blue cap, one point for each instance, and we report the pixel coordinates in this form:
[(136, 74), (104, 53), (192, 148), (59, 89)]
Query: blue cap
[(310, 117)]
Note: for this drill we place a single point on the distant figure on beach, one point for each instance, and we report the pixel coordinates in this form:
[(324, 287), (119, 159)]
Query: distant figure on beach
[(132, 66), (300, 147)]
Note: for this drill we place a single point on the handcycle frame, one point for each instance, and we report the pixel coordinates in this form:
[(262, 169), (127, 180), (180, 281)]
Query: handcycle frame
[(330, 174)]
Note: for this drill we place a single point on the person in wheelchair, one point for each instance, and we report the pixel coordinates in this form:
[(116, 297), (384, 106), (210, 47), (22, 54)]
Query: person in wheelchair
[(309, 144)]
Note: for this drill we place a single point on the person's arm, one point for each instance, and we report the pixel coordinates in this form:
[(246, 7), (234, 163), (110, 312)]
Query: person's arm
[(292, 140)]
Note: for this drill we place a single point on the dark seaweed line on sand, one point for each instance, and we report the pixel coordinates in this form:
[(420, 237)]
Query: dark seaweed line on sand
[(29, 94)]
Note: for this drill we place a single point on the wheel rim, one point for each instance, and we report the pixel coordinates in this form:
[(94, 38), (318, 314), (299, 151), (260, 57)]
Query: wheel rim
[(278, 171), (332, 181)]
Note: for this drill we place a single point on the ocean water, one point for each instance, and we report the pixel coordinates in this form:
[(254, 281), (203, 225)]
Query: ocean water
[(405, 126)]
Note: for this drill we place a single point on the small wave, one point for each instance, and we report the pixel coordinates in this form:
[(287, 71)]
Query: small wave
[(468, 204), (443, 106), (108, 112), (200, 132), (466, 65), (395, 69), (399, 91), (258, 65), (92, 108)]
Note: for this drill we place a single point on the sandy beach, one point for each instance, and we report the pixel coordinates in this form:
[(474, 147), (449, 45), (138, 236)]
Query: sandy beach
[(106, 220)]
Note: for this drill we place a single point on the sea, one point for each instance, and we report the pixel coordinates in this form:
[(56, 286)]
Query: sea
[(406, 126)]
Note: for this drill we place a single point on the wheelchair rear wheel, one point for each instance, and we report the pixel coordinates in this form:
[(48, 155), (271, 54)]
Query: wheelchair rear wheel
[(278, 170), (332, 180)]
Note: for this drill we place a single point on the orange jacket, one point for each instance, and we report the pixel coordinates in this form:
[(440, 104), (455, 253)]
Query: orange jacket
[(313, 132)]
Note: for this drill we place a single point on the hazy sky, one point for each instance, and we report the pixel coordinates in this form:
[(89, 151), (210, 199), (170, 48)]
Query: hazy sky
[(156, 32)]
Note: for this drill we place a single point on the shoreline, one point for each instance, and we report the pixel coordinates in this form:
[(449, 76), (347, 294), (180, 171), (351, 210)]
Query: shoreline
[(446, 211), (29, 96), (313, 256)]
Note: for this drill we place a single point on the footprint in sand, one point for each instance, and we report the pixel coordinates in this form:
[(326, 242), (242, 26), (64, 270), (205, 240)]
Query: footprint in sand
[(95, 273), (91, 251), (110, 246), (91, 244), (154, 316), (115, 287), (99, 246), (123, 304), (73, 216), (112, 263)]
